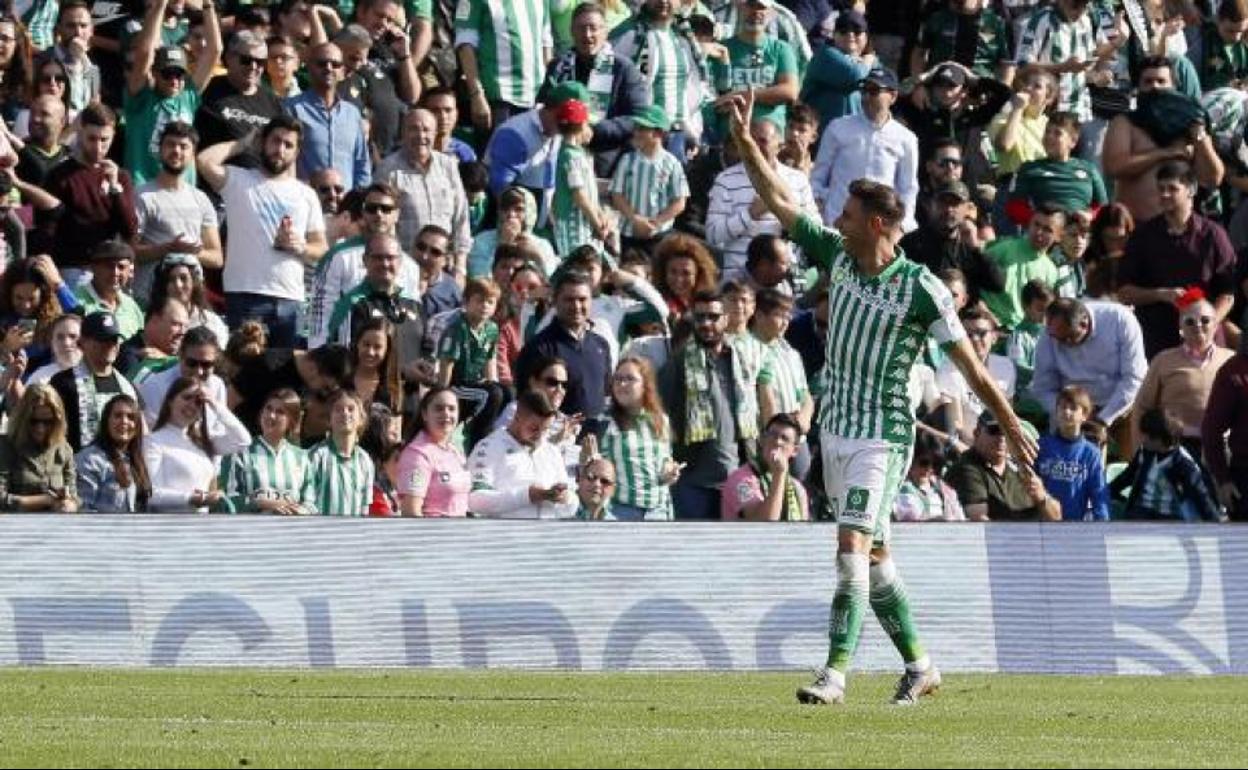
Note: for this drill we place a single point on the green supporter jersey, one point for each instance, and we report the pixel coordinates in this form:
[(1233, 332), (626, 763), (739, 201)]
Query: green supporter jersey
[(261, 472), (1221, 63), (509, 37), (948, 36), (146, 115), (649, 184), (665, 60), (752, 66), (1020, 263), (638, 456), (342, 486), (573, 171), (470, 350), (415, 9), (1071, 185), (878, 328)]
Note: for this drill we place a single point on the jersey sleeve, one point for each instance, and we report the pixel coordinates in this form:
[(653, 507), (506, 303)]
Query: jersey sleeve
[(821, 245), (936, 312)]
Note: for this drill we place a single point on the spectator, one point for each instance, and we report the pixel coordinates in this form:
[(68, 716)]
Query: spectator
[(754, 59), (948, 238), (181, 277), (112, 476), (43, 150), (714, 410), (468, 358), (15, 66), (501, 56), (966, 32), (831, 82), (528, 288), (1069, 464), (950, 102), (439, 291), (616, 87), (383, 441), (96, 194), (1180, 379), (433, 476), (281, 66), (235, 104), (925, 495), (342, 473), (1171, 253), (381, 75), (1066, 40), (637, 443), (577, 217), (32, 295), (74, 32), (769, 264), (1166, 482), (66, 353), (965, 406), (801, 139), (111, 262), (868, 146), (942, 166), (991, 487), (272, 475), (198, 354), (516, 473), (155, 347), (1111, 229), (158, 91), (1021, 259), (784, 373), (781, 23), (1070, 184), (175, 219), (375, 357), (441, 102), (1222, 58), (87, 388), (1097, 345), (648, 188), (1017, 132), (683, 268), (595, 480), (36, 464), (275, 222), (517, 216), (550, 377), (379, 295), (51, 80), (737, 214), (333, 129), (1224, 435), (1070, 255), (1021, 345), (762, 489)]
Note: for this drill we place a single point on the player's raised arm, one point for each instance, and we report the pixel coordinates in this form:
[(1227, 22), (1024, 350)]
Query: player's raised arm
[(767, 183), (1022, 446)]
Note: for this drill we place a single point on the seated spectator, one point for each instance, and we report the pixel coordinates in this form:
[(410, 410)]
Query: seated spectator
[(380, 294), (595, 480), (1020, 346), (44, 149), (517, 216), (527, 289), (638, 445), (517, 473), (281, 66), (831, 82), (111, 263), (468, 359), (948, 239), (763, 489), (801, 137), (522, 151), (32, 296), (949, 100), (550, 377), (1017, 132), (433, 475), (155, 348), (925, 495), (181, 276), (383, 441), (197, 359), (769, 264), (1059, 180), (1069, 464), (1180, 379), (376, 378), (1224, 435), (965, 406), (112, 475), (1070, 255), (272, 475), (87, 388), (1166, 482), (992, 487), (342, 472), (66, 353), (182, 459), (1022, 259), (683, 267), (1111, 230), (443, 103), (36, 464), (968, 32)]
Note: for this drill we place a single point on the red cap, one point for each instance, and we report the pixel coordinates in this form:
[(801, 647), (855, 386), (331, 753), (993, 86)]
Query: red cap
[(572, 112), (1191, 296)]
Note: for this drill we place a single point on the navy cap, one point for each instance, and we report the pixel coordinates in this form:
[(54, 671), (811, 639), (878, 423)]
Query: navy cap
[(101, 325)]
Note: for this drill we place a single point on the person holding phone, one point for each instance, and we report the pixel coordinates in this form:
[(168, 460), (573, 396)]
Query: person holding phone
[(516, 472)]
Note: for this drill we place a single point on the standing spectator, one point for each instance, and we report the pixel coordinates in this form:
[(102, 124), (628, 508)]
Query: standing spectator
[(948, 238), (157, 89), (951, 103), (637, 443), (468, 358), (181, 277), (15, 66), (1024, 258), (966, 32), (576, 215), (991, 487), (1070, 255), (516, 472), (782, 23), (342, 473), (713, 407), (380, 77), (433, 476), (1166, 482), (755, 60), (181, 457), (51, 79), (74, 32), (333, 129), (831, 82), (1020, 346), (276, 229), (87, 388), (1222, 58), (235, 104), (1066, 40), (441, 102), (737, 214), (281, 66), (96, 194), (1097, 345), (503, 56), (175, 218), (1111, 229), (872, 146), (43, 150), (1017, 132), (36, 464), (331, 192), (1171, 253), (925, 495), (1224, 435), (112, 475), (154, 349), (648, 188), (439, 291), (762, 489), (111, 262), (1069, 464), (272, 475)]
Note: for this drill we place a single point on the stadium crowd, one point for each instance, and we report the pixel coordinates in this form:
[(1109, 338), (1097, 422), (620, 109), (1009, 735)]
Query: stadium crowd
[(499, 258)]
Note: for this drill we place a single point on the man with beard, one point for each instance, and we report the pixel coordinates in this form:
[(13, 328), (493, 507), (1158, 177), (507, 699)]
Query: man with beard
[(235, 103), (157, 90), (43, 150), (949, 238), (276, 229), (174, 217), (333, 129)]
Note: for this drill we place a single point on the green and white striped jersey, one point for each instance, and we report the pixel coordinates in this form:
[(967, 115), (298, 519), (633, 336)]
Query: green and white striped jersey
[(638, 456), (509, 37), (649, 184), (342, 486), (786, 375), (1049, 39), (667, 63), (573, 171), (261, 472), (878, 328)]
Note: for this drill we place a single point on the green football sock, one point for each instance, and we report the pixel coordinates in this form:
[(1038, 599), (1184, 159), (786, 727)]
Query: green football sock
[(891, 604), (849, 605)]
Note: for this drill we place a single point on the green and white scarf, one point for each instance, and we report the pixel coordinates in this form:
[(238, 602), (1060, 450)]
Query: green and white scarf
[(601, 78), (88, 412), (699, 398)]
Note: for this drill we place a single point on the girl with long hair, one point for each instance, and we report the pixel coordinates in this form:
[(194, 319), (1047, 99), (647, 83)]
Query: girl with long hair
[(180, 276), (112, 474), (638, 443), (36, 462), (375, 362), (271, 475)]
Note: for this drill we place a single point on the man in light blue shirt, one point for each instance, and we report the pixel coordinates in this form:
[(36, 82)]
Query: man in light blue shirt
[(333, 129)]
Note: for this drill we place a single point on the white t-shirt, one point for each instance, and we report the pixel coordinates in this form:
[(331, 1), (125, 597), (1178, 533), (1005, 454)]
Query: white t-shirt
[(254, 207), (953, 386)]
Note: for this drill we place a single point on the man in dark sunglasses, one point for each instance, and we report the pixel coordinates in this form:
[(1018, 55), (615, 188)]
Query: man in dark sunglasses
[(236, 103), (198, 355), (333, 128)]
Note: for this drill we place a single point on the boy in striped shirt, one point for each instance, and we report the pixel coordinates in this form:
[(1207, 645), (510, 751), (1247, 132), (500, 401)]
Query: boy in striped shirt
[(784, 374), (649, 187), (576, 216), (342, 472)]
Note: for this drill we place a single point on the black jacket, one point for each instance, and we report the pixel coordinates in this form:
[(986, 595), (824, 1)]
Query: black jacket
[(629, 93)]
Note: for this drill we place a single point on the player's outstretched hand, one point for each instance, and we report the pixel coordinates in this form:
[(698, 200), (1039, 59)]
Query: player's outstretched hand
[(739, 112), (1022, 446)]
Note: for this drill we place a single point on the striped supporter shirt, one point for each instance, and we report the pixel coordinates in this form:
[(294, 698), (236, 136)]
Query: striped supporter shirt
[(639, 455), (342, 486), (262, 472), (649, 184)]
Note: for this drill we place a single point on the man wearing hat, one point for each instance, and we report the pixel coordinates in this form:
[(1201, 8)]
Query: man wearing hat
[(831, 83), (157, 91), (949, 238), (949, 102), (871, 146), (111, 262), (649, 188), (93, 381), (523, 150), (968, 33), (992, 487), (235, 103)]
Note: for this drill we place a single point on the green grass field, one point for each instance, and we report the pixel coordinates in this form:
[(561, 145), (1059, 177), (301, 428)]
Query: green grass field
[(62, 717)]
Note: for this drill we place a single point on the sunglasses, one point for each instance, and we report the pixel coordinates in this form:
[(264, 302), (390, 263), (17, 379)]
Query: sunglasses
[(992, 430), (383, 255), (250, 61), (425, 248), (331, 189), (333, 64), (594, 478), (1204, 320), (379, 208), (199, 364), (949, 162), (53, 77), (555, 382), (172, 73)]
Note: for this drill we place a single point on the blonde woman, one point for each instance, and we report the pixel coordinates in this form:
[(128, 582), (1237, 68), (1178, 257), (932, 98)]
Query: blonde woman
[(36, 462)]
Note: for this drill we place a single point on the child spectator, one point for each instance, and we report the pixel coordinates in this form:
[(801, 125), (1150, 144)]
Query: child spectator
[(468, 358), (1020, 346), (1166, 483), (342, 472), (1070, 465), (800, 135), (476, 180), (577, 217), (272, 475), (649, 188)]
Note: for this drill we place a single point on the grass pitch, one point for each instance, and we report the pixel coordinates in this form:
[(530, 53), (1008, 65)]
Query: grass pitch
[(91, 717)]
